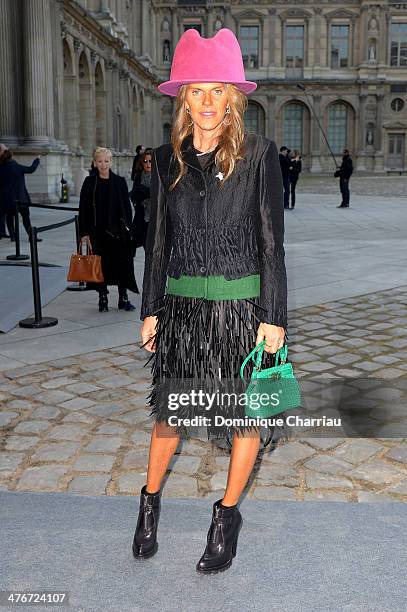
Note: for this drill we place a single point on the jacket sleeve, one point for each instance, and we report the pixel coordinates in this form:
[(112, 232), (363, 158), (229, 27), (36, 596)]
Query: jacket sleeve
[(270, 239), (127, 210), (157, 251), (29, 169), (85, 208)]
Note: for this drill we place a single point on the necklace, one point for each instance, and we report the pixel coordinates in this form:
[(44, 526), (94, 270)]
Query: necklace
[(205, 152)]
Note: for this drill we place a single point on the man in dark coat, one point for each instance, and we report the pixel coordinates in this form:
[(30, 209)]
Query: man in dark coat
[(345, 171), (13, 188), (285, 163)]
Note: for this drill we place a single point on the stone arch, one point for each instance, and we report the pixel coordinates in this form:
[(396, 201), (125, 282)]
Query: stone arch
[(100, 106), (70, 103), (255, 118), (86, 105), (295, 123), (340, 121)]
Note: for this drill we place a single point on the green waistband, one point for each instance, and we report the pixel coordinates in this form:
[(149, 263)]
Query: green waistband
[(215, 287)]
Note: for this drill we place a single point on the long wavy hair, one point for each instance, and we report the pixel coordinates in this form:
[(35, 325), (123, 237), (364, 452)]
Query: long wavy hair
[(230, 145)]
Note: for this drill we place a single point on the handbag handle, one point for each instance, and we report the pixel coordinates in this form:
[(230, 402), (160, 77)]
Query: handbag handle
[(88, 244), (257, 354)]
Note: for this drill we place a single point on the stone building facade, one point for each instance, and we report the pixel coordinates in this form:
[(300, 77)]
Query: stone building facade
[(79, 73)]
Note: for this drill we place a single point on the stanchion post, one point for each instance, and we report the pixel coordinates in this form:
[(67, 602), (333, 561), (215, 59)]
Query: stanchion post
[(17, 256), (38, 321)]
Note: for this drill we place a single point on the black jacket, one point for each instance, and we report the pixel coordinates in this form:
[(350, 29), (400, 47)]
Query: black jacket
[(204, 229), (346, 167), (285, 163), (296, 167), (12, 183)]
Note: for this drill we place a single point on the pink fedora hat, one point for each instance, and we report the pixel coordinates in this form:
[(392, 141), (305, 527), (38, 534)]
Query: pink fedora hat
[(207, 60)]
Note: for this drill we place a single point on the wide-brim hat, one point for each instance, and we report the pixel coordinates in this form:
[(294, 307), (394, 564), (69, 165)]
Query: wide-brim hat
[(207, 60)]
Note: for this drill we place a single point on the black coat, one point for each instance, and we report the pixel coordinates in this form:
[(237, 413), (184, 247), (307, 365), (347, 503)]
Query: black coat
[(12, 184), (285, 163), (113, 245), (346, 167), (296, 168), (203, 228), (138, 194)]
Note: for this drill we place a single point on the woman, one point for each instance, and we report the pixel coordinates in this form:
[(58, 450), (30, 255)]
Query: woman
[(216, 231), (140, 196), (105, 218), (295, 169), (12, 189)]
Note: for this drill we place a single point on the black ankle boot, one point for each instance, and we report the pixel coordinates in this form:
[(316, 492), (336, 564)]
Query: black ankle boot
[(145, 538), (103, 303), (222, 539), (124, 302)]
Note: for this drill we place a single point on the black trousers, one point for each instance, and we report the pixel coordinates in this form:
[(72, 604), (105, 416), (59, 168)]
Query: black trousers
[(25, 215), (102, 288), (293, 184), (344, 187), (286, 185)]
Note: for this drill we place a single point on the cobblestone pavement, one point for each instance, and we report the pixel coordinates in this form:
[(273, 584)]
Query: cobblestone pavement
[(80, 424), (372, 185)]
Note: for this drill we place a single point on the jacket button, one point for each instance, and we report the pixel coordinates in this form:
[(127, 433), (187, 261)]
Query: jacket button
[(202, 269), (202, 193)]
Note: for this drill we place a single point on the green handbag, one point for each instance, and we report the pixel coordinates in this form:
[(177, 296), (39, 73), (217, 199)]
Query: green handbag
[(272, 390)]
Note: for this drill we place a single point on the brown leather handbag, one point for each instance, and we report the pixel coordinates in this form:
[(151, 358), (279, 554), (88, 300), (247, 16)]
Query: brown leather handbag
[(85, 268)]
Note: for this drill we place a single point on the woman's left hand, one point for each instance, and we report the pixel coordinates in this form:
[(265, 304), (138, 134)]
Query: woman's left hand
[(273, 335)]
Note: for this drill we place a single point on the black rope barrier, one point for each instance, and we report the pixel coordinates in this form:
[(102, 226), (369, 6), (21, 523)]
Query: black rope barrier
[(38, 321)]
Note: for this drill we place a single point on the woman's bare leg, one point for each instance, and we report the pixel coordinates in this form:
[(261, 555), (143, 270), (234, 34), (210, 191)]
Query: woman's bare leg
[(164, 442), (242, 460)]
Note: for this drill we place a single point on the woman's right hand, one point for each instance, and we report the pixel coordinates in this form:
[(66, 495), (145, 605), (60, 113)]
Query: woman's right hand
[(148, 330)]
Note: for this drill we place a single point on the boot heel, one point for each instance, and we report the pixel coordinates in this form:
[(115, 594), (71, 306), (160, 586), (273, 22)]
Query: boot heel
[(234, 547)]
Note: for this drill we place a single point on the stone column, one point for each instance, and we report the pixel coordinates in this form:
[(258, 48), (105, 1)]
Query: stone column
[(145, 29), (38, 77), (316, 137), (361, 162), (174, 28), (270, 127), (8, 71), (379, 154), (272, 36), (58, 68)]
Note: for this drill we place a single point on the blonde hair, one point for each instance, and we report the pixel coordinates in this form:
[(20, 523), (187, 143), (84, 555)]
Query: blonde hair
[(230, 145), (102, 151)]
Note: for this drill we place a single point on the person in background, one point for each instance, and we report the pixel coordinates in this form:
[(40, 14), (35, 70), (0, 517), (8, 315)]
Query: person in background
[(105, 219), (139, 152), (13, 188), (285, 163), (344, 172), (140, 196), (295, 169)]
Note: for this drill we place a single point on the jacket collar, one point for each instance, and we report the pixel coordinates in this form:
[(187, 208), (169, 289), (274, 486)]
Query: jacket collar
[(188, 153)]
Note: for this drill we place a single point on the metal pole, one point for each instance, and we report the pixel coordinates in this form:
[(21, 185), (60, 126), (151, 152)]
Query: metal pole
[(17, 256), (38, 321)]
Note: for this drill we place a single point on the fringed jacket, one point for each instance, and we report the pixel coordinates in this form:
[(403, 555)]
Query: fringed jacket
[(205, 228)]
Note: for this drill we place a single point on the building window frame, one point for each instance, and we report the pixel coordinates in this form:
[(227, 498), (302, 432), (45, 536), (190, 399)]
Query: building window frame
[(188, 24), (348, 119), (295, 23), (332, 25), (391, 24), (286, 138), (260, 119), (250, 23), (336, 21)]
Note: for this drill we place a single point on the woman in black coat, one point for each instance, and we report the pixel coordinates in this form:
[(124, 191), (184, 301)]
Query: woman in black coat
[(295, 169), (105, 218), (140, 196)]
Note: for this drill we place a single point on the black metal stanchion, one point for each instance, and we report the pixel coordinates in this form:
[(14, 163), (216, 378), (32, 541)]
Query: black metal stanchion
[(38, 321), (18, 256), (81, 286)]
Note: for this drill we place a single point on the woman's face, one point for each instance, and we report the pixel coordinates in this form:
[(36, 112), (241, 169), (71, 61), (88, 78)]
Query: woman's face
[(207, 104), (146, 161), (103, 163)]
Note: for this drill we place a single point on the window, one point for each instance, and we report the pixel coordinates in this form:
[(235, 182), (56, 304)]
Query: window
[(254, 118), (293, 126), (193, 26), (249, 42), (338, 127), (398, 44), (294, 46), (397, 105), (339, 46)]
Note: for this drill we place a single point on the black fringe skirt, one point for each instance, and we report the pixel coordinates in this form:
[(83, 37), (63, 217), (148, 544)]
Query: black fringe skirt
[(201, 344)]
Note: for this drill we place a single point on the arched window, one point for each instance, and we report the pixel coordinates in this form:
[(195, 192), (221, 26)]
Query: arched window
[(254, 118), (338, 126), (294, 126)]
